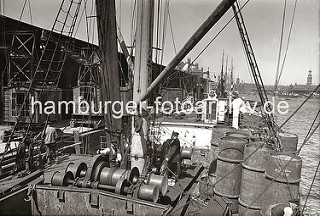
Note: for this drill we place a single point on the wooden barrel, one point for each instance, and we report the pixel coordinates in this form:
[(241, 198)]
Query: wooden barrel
[(229, 158), (283, 175), (289, 142), (253, 178)]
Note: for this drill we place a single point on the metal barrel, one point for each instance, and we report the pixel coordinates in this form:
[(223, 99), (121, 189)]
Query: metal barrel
[(229, 158), (232, 148), (283, 178), (219, 131), (289, 142), (242, 134), (253, 179)]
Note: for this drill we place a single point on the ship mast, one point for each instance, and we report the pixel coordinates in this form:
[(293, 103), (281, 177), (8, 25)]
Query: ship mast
[(106, 21), (142, 71)]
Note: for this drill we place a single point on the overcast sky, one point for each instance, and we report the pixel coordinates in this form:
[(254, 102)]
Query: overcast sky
[(263, 20)]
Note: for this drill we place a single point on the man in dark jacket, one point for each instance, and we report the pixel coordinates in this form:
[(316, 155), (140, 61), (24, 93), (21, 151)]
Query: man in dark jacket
[(172, 159)]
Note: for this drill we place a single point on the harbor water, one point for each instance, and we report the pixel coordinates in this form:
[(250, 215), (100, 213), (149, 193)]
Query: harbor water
[(310, 153)]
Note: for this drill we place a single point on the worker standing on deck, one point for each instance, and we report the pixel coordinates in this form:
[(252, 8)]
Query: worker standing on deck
[(50, 137), (21, 153), (171, 150), (237, 103)]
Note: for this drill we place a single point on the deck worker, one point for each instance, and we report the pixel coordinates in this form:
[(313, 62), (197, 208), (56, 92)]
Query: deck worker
[(237, 103), (171, 150), (21, 153), (284, 209), (113, 153), (50, 136)]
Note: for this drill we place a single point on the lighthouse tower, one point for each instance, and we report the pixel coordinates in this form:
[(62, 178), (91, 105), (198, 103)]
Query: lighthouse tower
[(309, 78)]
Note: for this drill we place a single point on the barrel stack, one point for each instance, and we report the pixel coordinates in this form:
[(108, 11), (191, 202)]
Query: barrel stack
[(230, 157), (283, 176), (253, 178)]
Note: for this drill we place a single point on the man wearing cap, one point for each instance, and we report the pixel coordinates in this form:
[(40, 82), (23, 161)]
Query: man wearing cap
[(171, 151)]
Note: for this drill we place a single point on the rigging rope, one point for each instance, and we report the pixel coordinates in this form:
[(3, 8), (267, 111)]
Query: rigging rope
[(164, 30), (174, 44), (133, 25), (288, 41), (30, 13), (280, 45), (23, 7), (81, 16)]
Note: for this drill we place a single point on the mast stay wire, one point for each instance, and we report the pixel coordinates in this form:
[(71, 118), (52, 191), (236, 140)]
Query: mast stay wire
[(280, 45), (30, 13), (170, 23), (288, 41), (164, 30), (81, 16), (133, 25), (223, 177)]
